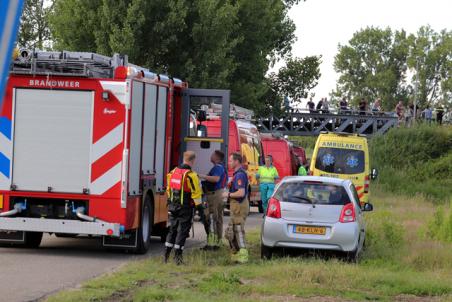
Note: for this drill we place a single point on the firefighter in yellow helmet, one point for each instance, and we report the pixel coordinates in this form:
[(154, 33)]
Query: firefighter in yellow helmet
[(184, 193)]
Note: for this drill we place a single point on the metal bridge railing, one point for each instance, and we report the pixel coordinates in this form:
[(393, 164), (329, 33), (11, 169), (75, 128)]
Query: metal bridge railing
[(299, 123)]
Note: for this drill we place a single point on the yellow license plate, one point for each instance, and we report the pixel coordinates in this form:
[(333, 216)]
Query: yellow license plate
[(309, 230)]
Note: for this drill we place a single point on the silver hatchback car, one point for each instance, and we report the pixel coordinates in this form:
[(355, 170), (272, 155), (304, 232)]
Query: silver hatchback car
[(309, 212)]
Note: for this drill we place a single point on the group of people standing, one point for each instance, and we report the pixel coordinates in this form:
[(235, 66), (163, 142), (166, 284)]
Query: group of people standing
[(185, 193), (323, 106), (406, 115)]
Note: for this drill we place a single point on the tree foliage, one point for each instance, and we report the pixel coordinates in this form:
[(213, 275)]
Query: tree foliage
[(226, 44), (373, 65), (292, 81), (34, 28), (430, 57), (377, 63)]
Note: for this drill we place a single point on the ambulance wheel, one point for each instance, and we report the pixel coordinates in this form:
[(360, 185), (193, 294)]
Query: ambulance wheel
[(33, 239), (145, 230)]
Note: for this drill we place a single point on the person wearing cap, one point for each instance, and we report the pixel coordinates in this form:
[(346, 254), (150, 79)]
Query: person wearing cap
[(267, 176)]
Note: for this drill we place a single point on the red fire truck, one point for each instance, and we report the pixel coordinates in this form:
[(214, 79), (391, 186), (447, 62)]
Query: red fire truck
[(86, 142)]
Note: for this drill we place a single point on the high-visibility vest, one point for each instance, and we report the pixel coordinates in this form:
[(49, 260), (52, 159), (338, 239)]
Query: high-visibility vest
[(180, 190)]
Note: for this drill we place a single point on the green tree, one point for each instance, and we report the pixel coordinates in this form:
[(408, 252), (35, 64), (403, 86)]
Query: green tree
[(265, 35), (225, 44), (430, 59), (292, 81), (34, 30), (373, 65)]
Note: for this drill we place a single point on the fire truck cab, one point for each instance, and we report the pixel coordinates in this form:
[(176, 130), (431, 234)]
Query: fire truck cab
[(86, 142)]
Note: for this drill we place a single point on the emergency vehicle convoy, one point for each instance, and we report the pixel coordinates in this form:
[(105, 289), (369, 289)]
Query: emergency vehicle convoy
[(86, 142)]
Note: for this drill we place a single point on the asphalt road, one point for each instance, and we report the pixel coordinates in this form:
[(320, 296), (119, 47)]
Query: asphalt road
[(29, 275)]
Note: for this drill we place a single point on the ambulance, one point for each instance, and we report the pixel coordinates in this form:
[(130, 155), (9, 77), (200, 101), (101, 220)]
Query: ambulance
[(345, 156)]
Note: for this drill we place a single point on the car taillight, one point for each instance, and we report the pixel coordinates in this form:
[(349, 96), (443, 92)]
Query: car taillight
[(348, 213), (274, 208), (366, 184)]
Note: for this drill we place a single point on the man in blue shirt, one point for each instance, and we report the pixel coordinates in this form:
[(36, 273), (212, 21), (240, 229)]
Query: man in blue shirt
[(239, 207), (213, 185)]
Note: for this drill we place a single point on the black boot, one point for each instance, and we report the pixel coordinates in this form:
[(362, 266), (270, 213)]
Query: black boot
[(167, 254), (178, 258)]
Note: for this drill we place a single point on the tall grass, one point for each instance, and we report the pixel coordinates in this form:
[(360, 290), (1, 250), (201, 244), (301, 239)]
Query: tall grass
[(415, 160)]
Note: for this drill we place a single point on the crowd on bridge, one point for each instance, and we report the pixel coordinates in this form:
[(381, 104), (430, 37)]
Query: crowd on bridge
[(406, 114)]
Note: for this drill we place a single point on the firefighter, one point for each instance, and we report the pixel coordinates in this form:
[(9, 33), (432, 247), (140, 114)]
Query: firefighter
[(184, 193), (213, 185), (239, 207)]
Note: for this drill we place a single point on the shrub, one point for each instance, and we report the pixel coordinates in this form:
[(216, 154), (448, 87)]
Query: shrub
[(415, 160), (384, 237), (440, 226)]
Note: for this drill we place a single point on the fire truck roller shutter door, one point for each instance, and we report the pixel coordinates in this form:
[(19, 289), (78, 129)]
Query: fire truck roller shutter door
[(149, 128), (52, 140), (135, 138), (160, 144)]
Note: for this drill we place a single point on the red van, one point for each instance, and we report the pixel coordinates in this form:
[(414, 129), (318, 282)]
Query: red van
[(284, 158), (301, 155)]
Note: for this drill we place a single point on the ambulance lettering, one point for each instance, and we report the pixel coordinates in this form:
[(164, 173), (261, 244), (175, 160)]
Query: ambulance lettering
[(342, 145)]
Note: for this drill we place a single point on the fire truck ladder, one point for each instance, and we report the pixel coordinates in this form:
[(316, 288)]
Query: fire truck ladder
[(311, 124), (70, 63)]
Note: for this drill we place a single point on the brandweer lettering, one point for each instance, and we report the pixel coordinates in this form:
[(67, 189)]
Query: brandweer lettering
[(342, 145), (54, 83)]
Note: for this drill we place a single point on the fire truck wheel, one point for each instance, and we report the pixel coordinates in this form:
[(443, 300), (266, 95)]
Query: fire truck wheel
[(145, 230), (33, 239)]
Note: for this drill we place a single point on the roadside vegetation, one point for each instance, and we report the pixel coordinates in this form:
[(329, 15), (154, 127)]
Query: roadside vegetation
[(408, 255), (414, 161)]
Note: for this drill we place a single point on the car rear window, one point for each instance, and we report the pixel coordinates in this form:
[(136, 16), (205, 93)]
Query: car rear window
[(340, 161), (316, 193)]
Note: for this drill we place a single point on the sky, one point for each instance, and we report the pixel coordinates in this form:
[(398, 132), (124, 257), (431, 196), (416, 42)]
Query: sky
[(323, 24)]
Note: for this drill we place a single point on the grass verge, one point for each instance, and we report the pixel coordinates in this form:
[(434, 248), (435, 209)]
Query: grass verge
[(401, 263)]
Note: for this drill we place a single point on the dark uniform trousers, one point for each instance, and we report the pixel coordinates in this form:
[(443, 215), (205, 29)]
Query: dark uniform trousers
[(180, 224)]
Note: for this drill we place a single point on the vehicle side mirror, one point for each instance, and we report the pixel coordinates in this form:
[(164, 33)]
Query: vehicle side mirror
[(367, 207), (373, 174), (201, 116)]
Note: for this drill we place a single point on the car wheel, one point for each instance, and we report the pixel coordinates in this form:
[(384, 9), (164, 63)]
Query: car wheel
[(266, 252), (353, 256)]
